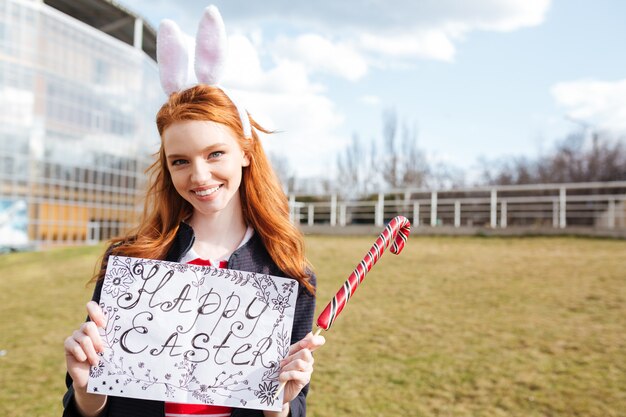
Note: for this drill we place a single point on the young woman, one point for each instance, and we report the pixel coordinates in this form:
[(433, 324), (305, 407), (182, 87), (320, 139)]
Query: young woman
[(213, 200)]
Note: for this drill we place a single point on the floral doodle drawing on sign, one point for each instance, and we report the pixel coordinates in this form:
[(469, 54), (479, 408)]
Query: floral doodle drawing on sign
[(190, 333)]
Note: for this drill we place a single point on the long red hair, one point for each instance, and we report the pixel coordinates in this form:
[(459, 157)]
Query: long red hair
[(265, 206)]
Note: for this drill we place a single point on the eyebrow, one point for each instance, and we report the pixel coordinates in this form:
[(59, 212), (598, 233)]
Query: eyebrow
[(207, 149)]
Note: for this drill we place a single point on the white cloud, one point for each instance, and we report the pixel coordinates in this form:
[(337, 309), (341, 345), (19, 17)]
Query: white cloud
[(402, 29), (400, 15), (424, 44), (601, 103), (244, 71), (377, 33), (284, 99), (432, 30), (305, 128), (506, 16), (320, 54), (371, 100)]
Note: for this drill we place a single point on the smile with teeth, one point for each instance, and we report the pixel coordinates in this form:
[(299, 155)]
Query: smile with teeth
[(209, 191)]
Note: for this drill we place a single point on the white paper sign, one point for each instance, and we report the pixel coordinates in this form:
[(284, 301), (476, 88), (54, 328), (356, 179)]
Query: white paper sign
[(193, 334)]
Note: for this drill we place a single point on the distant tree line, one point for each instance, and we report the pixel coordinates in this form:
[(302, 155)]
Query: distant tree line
[(395, 161), (580, 157)]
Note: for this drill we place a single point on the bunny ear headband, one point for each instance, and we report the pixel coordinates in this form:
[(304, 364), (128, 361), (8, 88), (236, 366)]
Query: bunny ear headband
[(210, 57)]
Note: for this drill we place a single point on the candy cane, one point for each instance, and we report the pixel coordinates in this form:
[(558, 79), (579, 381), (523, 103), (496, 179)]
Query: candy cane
[(397, 230)]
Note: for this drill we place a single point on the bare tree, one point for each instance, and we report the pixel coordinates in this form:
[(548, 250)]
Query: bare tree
[(357, 168), (442, 175), (390, 165), (373, 176), (349, 166), (404, 164), (578, 158), (413, 165), (283, 171), (394, 161)]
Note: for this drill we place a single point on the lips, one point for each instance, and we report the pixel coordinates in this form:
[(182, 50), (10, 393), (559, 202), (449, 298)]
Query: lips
[(206, 191)]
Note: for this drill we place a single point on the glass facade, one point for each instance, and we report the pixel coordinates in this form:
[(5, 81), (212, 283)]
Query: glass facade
[(77, 128)]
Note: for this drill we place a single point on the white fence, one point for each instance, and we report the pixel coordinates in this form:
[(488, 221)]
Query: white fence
[(588, 205)]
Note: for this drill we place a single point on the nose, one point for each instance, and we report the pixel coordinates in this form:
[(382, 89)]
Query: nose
[(200, 172)]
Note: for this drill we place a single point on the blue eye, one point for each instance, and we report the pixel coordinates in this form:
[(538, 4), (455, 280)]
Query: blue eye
[(178, 162), (216, 154)]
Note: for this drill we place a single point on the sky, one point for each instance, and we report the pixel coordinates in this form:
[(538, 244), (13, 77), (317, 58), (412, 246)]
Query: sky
[(479, 80)]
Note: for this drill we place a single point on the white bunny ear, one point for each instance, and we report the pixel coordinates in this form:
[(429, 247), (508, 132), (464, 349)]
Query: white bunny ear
[(243, 114), (172, 57), (211, 47)]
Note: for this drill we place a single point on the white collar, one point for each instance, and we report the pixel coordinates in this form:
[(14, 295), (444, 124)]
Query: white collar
[(192, 254)]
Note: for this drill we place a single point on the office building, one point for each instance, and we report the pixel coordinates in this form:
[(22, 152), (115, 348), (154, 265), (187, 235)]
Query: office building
[(79, 91)]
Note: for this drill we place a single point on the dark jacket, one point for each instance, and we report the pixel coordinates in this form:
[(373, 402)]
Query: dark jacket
[(251, 257)]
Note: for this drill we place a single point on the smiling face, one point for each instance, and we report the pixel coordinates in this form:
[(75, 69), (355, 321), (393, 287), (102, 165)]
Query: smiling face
[(205, 162)]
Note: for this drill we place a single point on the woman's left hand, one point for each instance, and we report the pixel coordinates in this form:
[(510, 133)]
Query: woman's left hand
[(297, 367)]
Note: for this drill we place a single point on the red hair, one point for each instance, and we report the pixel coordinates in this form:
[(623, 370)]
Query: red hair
[(265, 206)]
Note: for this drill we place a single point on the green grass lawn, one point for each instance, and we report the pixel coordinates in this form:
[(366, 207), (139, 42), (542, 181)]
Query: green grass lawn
[(451, 327)]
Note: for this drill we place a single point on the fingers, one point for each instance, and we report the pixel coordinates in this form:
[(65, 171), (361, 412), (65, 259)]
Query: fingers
[(296, 372), (95, 314), (72, 347), (310, 342), (300, 355), (299, 378), (304, 363), (297, 367), (85, 343)]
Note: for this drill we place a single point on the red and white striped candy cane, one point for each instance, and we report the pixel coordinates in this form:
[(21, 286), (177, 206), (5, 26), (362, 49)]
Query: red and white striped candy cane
[(397, 231)]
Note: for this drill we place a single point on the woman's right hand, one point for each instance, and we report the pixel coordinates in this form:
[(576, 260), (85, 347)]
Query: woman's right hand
[(81, 353)]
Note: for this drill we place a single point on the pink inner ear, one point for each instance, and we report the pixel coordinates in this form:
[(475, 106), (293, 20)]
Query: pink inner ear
[(211, 47), (172, 57)]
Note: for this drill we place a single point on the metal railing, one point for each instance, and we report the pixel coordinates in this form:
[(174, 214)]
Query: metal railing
[(589, 205)]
